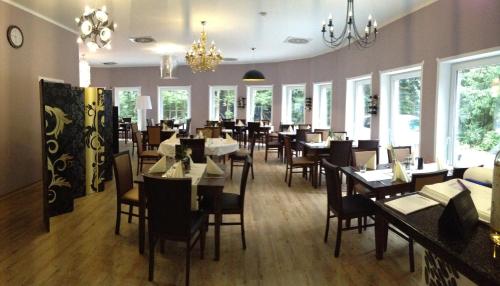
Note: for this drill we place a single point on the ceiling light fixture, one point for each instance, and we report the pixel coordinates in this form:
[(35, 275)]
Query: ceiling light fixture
[(201, 59), (95, 28), (253, 75), (350, 31), (167, 67), (142, 40)]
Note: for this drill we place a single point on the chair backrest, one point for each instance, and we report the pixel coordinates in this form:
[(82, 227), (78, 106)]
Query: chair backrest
[(252, 145), (154, 135), (134, 129), (314, 137), (401, 152), (216, 132), (127, 119), (212, 123), (284, 127), (188, 125), (207, 132), (253, 128), (339, 135), (368, 144), (124, 180), (169, 123), (169, 206), (197, 147), (138, 137), (272, 138), (340, 153), (266, 121), (229, 124), (288, 150), (361, 156), (333, 186), (244, 177), (418, 181), (164, 135), (301, 134), (305, 126), (325, 133)]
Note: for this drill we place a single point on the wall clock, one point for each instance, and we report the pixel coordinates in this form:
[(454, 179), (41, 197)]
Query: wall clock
[(15, 36)]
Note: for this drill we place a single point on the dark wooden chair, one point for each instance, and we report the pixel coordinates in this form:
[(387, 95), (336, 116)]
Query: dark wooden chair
[(216, 132), (340, 155), (254, 131), (232, 204), (401, 152), (299, 137), (144, 156), (273, 144), (154, 136), (311, 136), (197, 147), (239, 157), (340, 134), (295, 163), (368, 144), (164, 135), (134, 130), (305, 126), (207, 132), (212, 123), (419, 180), (325, 133), (344, 208), (187, 128), (284, 127), (126, 192), (360, 157), (171, 217)]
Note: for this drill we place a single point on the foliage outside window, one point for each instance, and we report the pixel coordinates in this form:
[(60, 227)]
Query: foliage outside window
[(260, 103), (362, 116), (322, 106), (293, 104), (175, 103), (125, 99), (223, 103)]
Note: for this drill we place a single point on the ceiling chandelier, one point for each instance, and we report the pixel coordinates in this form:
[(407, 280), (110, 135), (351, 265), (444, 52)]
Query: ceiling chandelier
[(201, 57), (95, 28), (350, 31)]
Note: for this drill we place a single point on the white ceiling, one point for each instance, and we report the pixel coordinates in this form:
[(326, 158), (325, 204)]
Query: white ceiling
[(235, 25)]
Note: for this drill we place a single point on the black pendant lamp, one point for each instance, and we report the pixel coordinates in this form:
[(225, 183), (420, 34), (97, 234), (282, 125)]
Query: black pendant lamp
[(253, 75)]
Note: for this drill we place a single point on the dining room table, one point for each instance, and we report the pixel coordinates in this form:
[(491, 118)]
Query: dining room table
[(205, 184)]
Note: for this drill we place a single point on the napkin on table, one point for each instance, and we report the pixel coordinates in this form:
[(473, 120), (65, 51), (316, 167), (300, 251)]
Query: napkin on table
[(160, 166), (372, 162), (176, 171), (240, 123), (212, 168), (200, 134), (399, 173), (172, 138), (229, 139), (290, 129), (328, 141)]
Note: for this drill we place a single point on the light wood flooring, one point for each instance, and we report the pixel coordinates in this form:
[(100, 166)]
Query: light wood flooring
[(284, 230)]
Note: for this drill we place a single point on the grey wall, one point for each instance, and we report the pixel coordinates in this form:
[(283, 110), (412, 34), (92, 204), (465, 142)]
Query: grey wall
[(442, 29), (48, 51)]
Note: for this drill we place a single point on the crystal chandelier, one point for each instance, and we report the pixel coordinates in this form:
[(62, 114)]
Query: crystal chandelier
[(95, 28), (350, 31), (201, 59)]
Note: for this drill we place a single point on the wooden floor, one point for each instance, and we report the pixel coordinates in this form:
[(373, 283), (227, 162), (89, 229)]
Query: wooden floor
[(284, 228)]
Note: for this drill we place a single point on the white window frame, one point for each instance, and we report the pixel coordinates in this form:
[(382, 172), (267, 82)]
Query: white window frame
[(387, 106), (316, 110), (250, 100), (116, 97), (286, 102), (160, 99), (211, 90), (446, 100), (352, 85)]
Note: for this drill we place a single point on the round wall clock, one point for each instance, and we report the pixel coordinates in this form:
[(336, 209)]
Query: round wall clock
[(15, 36)]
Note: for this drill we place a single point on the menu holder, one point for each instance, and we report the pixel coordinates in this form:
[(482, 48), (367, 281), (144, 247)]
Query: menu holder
[(459, 217)]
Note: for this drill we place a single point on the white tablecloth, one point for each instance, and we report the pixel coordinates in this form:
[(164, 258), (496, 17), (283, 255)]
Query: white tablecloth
[(213, 147)]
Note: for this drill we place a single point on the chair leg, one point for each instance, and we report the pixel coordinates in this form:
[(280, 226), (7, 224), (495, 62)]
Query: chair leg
[(339, 237), (365, 222), (203, 234), (251, 166), (411, 255), (138, 163), (286, 173), (118, 217), (243, 241), (231, 169), (290, 177), (188, 261), (265, 156), (327, 223), (152, 242), (360, 225), (130, 211)]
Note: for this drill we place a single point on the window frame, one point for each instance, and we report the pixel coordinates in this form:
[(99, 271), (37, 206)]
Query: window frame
[(316, 116), (249, 100), (286, 102), (177, 87), (211, 89), (116, 96), (352, 85)]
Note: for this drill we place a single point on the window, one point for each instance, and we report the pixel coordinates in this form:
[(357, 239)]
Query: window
[(174, 102), (358, 117), (222, 102), (259, 103), (400, 112), (293, 104), (125, 100), (322, 106), (474, 115)]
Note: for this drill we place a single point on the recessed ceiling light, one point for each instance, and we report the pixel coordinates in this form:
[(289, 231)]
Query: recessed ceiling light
[(296, 40), (263, 13), (142, 40), (229, 59), (109, 63)]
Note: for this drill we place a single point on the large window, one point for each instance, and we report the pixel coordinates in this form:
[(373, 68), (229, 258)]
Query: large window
[(222, 102), (125, 100), (474, 124), (174, 102), (259, 103), (358, 117), (293, 104), (322, 105)]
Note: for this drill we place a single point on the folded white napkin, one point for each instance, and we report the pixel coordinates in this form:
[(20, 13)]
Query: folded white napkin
[(339, 136), (165, 127), (176, 171), (200, 134), (229, 139), (314, 138), (240, 123), (160, 166), (399, 173), (308, 126), (290, 129), (190, 160), (261, 123), (372, 162), (328, 141), (212, 168), (172, 138)]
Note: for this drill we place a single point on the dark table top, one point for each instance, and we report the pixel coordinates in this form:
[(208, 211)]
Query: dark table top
[(472, 257), (373, 185)]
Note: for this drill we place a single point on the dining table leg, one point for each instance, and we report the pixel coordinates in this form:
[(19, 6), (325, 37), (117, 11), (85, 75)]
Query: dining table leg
[(142, 218), (381, 233), (218, 222)]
